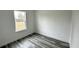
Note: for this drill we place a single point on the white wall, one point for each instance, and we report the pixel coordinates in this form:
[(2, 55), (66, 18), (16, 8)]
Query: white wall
[(54, 24), (7, 26), (75, 29)]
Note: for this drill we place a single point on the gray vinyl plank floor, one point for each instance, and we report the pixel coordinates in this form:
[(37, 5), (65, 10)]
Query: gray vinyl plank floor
[(37, 41)]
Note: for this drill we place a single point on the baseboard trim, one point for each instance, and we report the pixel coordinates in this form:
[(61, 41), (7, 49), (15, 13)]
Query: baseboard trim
[(54, 39), (18, 39)]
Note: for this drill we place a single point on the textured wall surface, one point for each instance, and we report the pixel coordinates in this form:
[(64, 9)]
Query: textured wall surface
[(7, 26), (55, 24)]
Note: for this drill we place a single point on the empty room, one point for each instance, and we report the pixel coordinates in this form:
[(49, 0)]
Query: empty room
[(39, 29)]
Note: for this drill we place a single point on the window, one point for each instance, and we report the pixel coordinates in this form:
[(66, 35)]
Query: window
[(20, 20)]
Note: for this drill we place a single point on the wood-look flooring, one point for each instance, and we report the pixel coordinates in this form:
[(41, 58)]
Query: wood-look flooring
[(37, 41)]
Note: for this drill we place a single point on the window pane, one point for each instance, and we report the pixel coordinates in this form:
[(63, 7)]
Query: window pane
[(20, 20)]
